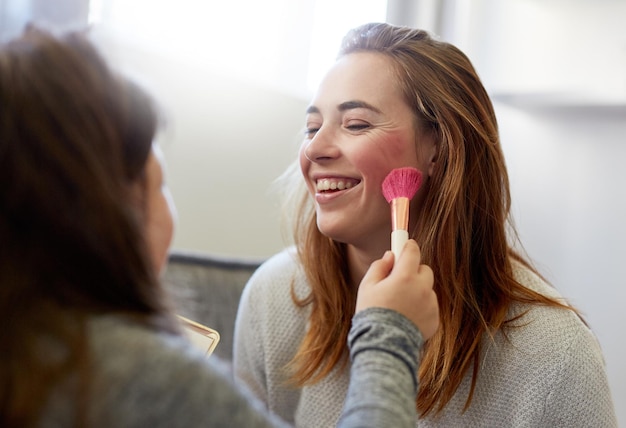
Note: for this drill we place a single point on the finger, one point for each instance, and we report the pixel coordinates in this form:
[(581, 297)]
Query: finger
[(411, 255), (380, 269), (427, 274)]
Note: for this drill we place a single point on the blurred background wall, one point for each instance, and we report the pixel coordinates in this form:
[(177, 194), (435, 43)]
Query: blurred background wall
[(234, 81)]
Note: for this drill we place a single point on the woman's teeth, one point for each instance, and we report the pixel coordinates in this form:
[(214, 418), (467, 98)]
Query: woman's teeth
[(330, 184)]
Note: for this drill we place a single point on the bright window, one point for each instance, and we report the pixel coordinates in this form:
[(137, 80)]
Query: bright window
[(282, 43)]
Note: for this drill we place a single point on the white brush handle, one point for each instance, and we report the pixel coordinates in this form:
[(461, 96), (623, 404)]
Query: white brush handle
[(398, 239)]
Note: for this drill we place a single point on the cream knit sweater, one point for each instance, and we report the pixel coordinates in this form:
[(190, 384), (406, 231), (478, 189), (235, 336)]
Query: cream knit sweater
[(550, 373)]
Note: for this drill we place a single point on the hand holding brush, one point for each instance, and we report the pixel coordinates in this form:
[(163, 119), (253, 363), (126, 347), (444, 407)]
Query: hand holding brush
[(399, 187)]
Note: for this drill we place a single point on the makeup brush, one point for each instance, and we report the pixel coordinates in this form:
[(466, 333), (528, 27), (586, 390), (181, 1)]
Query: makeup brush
[(399, 187)]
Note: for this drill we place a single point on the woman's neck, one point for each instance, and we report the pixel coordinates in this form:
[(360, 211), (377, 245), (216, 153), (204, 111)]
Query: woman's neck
[(359, 261)]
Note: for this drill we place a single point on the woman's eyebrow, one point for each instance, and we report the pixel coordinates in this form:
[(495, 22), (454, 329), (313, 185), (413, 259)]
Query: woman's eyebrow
[(349, 105)]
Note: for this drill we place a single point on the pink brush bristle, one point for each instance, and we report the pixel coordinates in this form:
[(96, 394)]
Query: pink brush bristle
[(402, 182)]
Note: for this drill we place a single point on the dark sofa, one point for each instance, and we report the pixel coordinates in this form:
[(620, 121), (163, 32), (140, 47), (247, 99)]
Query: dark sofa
[(206, 288)]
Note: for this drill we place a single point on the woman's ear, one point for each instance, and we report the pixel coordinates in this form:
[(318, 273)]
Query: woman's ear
[(431, 152)]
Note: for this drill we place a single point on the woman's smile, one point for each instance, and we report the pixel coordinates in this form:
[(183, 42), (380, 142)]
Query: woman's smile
[(330, 188)]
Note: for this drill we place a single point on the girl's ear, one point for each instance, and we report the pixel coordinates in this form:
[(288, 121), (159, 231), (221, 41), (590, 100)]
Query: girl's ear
[(431, 150)]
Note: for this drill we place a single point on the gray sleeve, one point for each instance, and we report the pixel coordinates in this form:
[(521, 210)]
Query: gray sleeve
[(384, 349), (152, 380)]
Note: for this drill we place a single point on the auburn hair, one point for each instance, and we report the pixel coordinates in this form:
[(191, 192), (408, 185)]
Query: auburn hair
[(464, 229)]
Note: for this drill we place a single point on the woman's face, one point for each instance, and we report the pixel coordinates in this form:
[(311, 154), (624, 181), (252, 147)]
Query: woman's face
[(160, 210), (359, 128)]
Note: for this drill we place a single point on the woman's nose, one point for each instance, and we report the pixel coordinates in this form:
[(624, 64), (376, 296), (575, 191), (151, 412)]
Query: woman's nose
[(321, 147)]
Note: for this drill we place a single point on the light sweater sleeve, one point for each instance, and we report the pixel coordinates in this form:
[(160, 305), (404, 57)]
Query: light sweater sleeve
[(384, 349)]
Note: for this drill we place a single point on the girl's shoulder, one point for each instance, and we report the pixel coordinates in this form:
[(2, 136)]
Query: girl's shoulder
[(277, 276), (553, 328), (132, 361), (283, 263), (532, 280)]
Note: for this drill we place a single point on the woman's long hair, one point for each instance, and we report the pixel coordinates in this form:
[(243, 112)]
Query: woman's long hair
[(74, 141), (464, 229)]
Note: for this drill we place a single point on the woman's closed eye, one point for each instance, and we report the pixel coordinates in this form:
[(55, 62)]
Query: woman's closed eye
[(310, 131), (357, 126)]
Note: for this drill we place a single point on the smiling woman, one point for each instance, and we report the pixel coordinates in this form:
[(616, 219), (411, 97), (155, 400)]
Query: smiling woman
[(511, 350)]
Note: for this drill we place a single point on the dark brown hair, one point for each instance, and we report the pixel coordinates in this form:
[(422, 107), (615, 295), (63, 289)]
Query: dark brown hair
[(463, 229), (74, 139)]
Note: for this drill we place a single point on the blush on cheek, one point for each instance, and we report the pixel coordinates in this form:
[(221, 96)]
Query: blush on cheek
[(395, 150), (399, 146)]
